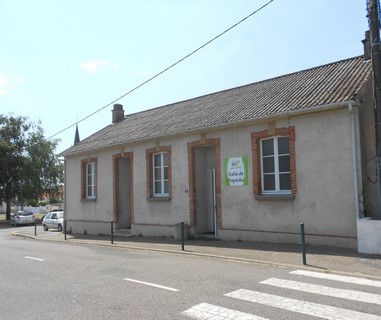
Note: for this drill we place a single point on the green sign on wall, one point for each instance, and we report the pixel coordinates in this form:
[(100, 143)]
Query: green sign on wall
[(236, 171)]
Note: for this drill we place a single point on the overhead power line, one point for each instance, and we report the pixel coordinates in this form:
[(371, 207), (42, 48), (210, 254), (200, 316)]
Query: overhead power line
[(164, 70)]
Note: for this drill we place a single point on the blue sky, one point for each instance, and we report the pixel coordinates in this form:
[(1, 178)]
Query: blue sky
[(62, 60)]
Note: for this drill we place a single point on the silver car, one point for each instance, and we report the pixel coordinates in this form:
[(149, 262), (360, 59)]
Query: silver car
[(53, 220), (22, 217)]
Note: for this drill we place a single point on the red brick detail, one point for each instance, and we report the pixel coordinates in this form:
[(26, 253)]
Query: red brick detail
[(83, 176), (149, 179), (192, 179), (256, 156), (115, 159)]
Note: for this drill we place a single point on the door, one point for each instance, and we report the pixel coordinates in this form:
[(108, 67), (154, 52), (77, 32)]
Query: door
[(213, 202), (205, 182), (124, 193)]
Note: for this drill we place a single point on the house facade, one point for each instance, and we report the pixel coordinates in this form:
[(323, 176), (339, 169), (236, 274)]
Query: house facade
[(250, 163)]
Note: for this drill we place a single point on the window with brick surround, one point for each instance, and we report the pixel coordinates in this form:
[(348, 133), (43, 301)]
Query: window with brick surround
[(89, 179), (159, 173), (275, 165), (274, 162)]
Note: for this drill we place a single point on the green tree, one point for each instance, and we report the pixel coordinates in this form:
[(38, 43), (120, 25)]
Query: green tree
[(12, 159), (42, 171), (28, 165)]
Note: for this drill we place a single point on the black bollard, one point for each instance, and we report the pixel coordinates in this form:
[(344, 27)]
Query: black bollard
[(303, 244), (65, 228), (112, 232), (182, 235)]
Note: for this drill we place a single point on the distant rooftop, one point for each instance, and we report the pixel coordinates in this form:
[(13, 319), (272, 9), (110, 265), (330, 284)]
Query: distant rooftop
[(323, 85)]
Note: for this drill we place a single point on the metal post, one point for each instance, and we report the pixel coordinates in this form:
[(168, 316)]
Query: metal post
[(374, 28), (182, 235), (112, 232), (303, 244), (35, 228), (65, 228)]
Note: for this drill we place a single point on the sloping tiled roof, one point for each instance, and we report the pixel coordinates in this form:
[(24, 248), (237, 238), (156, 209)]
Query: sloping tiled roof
[(323, 85)]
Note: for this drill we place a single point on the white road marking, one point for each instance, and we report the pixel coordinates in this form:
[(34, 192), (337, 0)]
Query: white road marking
[(300, 306), (206, 311), (151, 284), (333, 277), (33, 258), (325, 291)]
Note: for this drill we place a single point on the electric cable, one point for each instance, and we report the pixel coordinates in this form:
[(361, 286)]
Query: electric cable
[(163, 71)]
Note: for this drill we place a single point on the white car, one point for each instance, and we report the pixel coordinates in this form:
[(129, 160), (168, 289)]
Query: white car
[(22, 217), (53, 220)]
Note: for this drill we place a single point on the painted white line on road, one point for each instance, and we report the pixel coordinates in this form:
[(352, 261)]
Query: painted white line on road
[(206, 311), (300, 306), (325, 291), (33, 258), (151, 284), (333, 277)]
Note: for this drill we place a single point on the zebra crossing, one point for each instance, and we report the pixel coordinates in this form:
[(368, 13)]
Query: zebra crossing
[(206, 311)]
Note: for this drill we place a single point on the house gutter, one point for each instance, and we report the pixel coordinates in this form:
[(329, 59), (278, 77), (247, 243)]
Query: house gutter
[(354, 160)]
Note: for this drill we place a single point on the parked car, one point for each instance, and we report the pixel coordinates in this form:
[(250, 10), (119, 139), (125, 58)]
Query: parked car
[(53, 220), (22, 217)]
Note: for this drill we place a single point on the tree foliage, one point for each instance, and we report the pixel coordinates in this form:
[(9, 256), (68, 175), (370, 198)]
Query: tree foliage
[(29, 167)]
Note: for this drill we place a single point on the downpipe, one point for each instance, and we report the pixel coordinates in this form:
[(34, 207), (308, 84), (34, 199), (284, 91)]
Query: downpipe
[(354, 160)]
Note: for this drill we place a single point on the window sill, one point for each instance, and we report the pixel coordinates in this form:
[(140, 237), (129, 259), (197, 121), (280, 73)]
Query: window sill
[(89, 200), (159, 199), (274, 197)]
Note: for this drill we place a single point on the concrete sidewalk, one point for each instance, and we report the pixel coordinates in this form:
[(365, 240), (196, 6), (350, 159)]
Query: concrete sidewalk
[(335, 260)]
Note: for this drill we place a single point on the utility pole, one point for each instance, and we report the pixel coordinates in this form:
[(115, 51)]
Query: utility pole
[(374, 26)]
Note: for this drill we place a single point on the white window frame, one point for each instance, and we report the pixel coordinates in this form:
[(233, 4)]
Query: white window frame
[(276, 167), (162, 180), (90, 180)]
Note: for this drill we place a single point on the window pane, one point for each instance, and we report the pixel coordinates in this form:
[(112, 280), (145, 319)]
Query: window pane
[(165, 159), (166, 173), (285, 181), (283, 145), (157, 174), (269, 182), (90, 168), (284, 163), (89, 191), (268, 147), (157, 160), (268, 165), (166, 188), (160, 173), (158, 187), (89, 180)]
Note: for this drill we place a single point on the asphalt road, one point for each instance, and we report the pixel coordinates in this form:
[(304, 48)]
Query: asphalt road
[(47, 280)]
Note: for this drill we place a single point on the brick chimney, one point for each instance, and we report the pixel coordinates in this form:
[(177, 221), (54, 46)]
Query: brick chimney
[(117, 113), (366, 43)]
